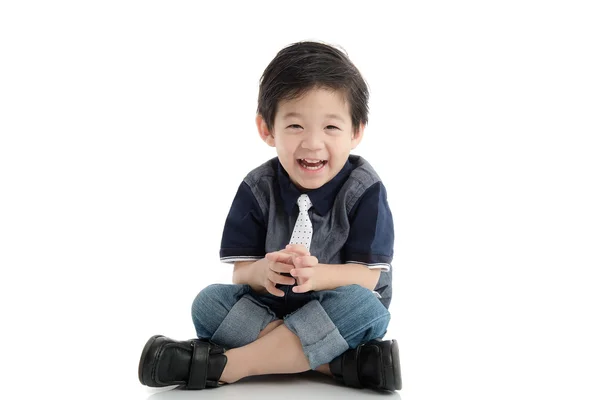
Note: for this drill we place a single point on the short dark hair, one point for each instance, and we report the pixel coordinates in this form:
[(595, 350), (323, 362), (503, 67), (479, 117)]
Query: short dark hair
[(303, 66)]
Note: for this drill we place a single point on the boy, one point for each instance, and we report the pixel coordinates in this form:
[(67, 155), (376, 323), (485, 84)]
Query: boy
[(311, 237)]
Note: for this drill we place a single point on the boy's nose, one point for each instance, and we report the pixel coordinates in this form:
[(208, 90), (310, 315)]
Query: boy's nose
[(312, 141)]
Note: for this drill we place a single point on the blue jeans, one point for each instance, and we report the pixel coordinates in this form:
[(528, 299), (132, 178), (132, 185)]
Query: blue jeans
[(327, 322)]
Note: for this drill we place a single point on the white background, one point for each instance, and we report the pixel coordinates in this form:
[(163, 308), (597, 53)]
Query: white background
[(126, 127)]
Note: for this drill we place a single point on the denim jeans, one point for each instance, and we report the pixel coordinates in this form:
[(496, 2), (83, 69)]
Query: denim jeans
[(327, 322)]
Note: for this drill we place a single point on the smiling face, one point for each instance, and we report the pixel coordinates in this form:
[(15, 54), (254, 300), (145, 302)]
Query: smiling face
[(313, 136)]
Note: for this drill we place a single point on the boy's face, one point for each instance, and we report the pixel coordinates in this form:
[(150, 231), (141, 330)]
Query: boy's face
[(313, 136)]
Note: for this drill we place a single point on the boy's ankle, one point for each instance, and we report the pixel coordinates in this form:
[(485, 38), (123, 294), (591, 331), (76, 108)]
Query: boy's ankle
[(234, 371)]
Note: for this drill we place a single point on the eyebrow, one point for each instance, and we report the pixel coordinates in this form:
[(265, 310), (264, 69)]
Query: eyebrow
[(335, 116), (295, 114)]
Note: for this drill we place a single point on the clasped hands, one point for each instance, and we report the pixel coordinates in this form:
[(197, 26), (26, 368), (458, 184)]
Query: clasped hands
[(296, 260)]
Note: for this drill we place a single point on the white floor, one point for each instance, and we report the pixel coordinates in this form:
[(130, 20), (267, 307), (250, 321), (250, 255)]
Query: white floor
[(302, 386)]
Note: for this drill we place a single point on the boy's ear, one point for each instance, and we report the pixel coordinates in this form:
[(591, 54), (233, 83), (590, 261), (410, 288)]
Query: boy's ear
[(358, 135), (263, 131)]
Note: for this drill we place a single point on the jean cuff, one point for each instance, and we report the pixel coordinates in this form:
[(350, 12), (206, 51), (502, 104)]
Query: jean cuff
[(320, 338), (243, 323)]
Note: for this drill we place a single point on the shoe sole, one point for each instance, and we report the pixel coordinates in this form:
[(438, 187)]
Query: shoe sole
[(391, 371), (396, 365), (145, 367)]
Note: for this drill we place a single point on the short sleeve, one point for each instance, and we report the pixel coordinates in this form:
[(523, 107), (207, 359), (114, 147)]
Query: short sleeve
[(245, 231), (371, 238)]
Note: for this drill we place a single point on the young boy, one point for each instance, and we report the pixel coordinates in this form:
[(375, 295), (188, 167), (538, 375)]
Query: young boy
[(311, 237)]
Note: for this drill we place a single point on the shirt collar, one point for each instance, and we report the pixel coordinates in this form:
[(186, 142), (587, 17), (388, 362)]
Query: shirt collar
[(322, 198)]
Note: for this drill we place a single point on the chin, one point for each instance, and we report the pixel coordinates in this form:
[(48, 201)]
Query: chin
[(311, 185)]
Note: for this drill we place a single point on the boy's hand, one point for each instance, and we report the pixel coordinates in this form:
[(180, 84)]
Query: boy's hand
[(273, 265), (304, 270), (299, 251)]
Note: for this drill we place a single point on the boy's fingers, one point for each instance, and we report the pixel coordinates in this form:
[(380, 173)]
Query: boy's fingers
[(279, 256), (283, 280), (281, 267), (299, 249), (305, 261), (302, 272), (273, 290), (302, 288)]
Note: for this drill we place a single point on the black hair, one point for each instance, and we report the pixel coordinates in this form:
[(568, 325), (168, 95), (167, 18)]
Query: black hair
[(302, 66)]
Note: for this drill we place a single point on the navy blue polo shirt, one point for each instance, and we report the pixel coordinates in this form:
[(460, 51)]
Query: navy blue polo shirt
[(351, 218)]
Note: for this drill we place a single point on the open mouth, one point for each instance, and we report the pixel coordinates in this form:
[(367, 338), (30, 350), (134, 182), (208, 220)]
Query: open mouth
[(311, 164)]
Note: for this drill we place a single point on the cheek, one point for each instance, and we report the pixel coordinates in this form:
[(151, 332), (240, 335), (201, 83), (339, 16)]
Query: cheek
[(286, 148), (339, 147), (285, 156)]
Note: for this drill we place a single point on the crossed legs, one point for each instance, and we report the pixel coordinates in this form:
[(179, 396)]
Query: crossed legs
[(261, 344)]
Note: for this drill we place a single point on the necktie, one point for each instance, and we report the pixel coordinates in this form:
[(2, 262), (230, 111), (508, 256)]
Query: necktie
[(303, 229)]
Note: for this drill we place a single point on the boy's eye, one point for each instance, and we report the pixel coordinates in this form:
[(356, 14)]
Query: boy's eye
[(332, 127), (295, 126)]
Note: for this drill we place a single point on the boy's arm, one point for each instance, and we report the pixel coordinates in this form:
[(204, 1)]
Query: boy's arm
[(369, 248), (370, 243), (244, 273), (336, 275), (329, 276), (244, 233)]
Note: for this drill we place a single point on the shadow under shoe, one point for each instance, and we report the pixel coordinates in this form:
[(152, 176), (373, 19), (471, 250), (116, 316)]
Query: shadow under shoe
[(374, 365), (196, 363)]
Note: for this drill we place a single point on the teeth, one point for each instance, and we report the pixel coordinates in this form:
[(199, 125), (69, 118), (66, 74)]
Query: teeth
[(306, 161)]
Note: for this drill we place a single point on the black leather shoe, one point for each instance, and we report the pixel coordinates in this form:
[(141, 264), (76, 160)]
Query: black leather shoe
[(196, 363), (374, 365)]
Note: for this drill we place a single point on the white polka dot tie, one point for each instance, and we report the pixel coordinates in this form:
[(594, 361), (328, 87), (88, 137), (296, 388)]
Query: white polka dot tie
[(303, 229)]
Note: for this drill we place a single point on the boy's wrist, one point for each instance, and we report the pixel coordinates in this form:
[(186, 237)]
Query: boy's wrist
[(254, 274), (326, 280)]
